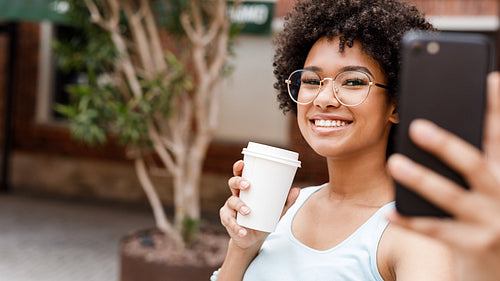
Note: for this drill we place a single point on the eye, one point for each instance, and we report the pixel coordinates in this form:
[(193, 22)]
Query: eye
[(352, 79), (309, 78), (311, 81), (354, 82)]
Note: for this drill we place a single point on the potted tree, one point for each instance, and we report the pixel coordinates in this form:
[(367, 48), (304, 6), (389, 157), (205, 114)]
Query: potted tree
[(152, 68)]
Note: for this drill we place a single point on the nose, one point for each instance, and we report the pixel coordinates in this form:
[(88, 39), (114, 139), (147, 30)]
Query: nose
[(326, 96)]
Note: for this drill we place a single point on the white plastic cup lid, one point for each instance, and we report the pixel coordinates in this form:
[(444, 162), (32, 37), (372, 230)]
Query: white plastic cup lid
[(272, 153)]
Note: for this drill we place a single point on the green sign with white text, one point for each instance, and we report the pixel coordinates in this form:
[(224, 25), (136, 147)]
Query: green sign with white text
[(34, 10), (256, 17)]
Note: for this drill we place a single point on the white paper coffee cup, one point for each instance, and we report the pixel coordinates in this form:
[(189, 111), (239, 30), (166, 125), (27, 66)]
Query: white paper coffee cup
[(270, 171)]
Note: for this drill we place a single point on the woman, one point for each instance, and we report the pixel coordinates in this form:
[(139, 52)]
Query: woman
[(336, 64)]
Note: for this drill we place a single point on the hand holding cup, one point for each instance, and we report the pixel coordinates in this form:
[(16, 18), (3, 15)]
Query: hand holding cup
[(242, 236)]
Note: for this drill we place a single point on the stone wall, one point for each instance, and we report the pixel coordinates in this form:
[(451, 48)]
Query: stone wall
[(102, 180)]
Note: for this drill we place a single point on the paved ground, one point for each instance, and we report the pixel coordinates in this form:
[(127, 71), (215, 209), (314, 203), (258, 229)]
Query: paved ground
[(53, 240)]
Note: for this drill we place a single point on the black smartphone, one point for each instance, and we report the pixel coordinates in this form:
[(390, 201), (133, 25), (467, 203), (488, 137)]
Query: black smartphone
[(442, 79)]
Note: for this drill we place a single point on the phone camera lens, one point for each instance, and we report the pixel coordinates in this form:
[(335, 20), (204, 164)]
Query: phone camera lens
[(433, 48)]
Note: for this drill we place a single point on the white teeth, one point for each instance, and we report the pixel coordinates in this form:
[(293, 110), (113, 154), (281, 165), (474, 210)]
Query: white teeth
[(329, 123)]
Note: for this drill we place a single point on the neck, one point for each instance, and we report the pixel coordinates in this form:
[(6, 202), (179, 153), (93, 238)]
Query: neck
[(360, 179)]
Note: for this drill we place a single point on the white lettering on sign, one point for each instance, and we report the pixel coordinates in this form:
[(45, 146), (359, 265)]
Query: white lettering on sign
[(60, 7), (256, 14)]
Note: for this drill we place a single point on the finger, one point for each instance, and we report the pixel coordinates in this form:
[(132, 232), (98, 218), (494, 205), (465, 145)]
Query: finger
[(232, 227), (292, 197), (455, 152), (457, 234), (492, 121), (468, 206), (235, 204), (238, 168), (228, 217), (236, 184), (435, 188)]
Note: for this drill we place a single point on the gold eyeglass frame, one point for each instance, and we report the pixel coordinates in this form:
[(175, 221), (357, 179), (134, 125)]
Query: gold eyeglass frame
[(335, 89)]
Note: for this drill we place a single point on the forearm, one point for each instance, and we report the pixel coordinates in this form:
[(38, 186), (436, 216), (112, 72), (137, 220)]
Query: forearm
[(236, 262)]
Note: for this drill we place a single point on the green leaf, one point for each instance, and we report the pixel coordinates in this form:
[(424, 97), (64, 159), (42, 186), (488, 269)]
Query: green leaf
[(65, 110)]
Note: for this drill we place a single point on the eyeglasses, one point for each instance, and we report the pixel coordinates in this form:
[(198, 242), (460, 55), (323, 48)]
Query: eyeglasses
[(351, 88)]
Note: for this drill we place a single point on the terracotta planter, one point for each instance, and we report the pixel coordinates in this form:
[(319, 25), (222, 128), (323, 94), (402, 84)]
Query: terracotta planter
[(144, 256), (139, 269)]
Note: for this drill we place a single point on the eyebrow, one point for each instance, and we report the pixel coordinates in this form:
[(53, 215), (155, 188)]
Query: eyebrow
[(345, 68), (357, 68)]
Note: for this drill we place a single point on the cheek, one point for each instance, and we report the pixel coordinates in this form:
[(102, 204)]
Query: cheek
[(301, 119), (375, 116), (301, 112), (303, 122)]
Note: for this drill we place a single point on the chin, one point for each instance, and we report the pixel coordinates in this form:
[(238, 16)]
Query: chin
[(325, 148)]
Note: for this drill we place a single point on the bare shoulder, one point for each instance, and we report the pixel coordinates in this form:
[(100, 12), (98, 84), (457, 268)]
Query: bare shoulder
[(407, 256)]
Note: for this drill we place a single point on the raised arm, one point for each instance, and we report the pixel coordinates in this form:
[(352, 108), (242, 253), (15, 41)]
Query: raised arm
[(474, 233)]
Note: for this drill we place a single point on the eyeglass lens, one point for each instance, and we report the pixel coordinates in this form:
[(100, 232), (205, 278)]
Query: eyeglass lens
[(350, 87)]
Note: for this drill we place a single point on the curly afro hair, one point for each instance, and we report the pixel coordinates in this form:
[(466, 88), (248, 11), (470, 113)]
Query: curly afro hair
[(377, 24)]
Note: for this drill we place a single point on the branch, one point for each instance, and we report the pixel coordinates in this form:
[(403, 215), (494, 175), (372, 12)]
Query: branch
[(115, 12), (139, 38), (186, 120), (190, 31), (127, 65), (221, 52), (165, 157), (156, 48), (111, 25), (153, 198), (196, 16), (217, 19), (169, 144), (95, 15)]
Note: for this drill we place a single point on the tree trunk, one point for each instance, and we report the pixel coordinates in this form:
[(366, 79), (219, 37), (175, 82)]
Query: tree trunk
[(187, 183)]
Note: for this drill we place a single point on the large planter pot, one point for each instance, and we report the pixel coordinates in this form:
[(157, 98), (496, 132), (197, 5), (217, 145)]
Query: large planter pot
[(149, 256), (138, 268)]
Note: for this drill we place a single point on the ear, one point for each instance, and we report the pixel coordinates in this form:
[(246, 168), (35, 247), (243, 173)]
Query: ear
[(394, 117)]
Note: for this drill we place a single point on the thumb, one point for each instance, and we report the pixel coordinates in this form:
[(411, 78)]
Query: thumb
[(292, 197)]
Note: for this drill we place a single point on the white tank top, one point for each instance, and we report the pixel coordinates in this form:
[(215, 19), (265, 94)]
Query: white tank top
[(282, 257)]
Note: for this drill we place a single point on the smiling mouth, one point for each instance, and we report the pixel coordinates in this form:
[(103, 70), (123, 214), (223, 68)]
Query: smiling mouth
[(330, 123)]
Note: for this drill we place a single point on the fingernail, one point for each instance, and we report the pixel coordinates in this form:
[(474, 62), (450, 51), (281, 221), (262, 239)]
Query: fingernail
[(242, 232), (424, 131), (244, 210), (244, 184), (401, 166)]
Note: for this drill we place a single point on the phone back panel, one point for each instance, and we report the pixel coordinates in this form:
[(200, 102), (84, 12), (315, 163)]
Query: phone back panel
[(443, 79)]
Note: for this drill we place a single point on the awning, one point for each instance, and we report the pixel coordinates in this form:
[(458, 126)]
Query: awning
[(34, 10), (255, 15)]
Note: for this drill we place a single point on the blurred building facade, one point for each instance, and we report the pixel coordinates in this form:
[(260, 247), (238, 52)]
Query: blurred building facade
[(47, 160)]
